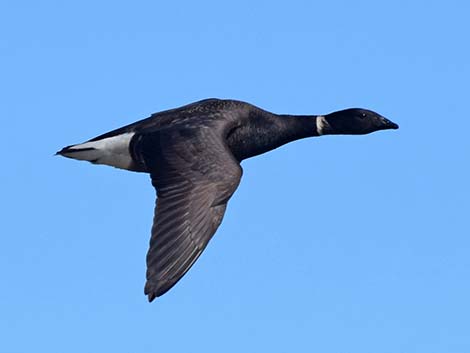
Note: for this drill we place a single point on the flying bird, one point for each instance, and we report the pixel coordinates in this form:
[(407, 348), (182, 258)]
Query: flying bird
[(193, 156)]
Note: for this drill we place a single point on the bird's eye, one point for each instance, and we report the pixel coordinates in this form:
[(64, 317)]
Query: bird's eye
[(363, 115)]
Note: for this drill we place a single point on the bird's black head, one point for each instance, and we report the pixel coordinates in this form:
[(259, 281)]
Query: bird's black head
[(353, 122)]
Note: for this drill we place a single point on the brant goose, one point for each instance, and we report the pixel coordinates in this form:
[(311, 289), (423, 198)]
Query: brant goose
[(193, 156)]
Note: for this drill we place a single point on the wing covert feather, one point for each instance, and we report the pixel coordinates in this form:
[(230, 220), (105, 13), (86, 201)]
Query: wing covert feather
[(194, 174)]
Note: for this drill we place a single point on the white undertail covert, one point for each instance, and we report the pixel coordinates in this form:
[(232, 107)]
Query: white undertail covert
[(113, 151)]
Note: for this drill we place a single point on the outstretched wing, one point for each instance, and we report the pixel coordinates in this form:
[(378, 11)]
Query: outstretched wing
[(194, 174)]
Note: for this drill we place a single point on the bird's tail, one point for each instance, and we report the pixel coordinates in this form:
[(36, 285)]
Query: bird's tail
[(113, 151)]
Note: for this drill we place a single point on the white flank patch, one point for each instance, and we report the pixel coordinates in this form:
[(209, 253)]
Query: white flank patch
[(321, 124), (113, 151)]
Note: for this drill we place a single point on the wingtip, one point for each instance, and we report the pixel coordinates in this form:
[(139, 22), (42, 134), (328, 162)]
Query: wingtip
[(153, 290), (150, 291), (151, 297)]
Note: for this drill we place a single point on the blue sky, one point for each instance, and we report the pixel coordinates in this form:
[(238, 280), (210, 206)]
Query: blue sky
[(331, 244)]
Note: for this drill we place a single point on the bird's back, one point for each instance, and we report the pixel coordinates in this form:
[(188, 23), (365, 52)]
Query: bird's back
[(195, 115)]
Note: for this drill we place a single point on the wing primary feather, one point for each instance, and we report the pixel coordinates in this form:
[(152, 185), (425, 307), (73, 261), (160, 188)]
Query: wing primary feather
[(195, 175)]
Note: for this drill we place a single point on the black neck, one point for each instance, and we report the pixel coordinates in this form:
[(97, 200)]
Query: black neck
[(264, 131)]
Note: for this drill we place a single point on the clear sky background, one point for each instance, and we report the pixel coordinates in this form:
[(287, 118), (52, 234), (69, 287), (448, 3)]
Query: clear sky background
[(332, 244)]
